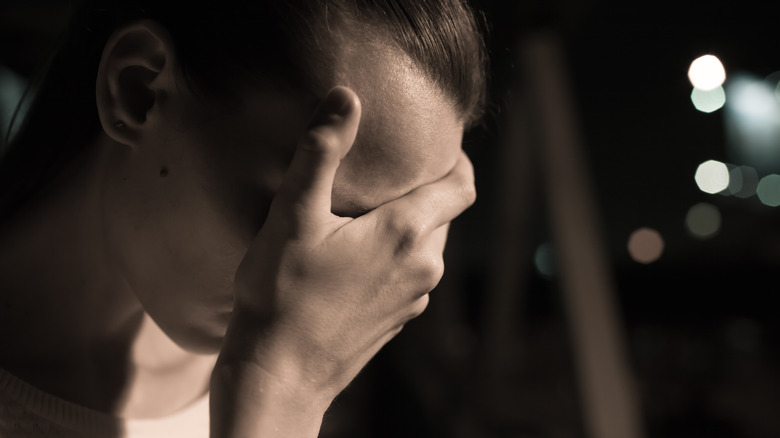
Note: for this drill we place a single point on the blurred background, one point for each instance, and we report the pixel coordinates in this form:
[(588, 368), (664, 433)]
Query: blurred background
[(615, 277)]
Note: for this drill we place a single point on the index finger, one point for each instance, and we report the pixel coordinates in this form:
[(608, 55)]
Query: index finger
[(305, 193)]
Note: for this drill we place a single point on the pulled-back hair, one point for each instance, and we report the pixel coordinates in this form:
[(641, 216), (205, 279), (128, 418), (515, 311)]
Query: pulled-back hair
[(282, 39)]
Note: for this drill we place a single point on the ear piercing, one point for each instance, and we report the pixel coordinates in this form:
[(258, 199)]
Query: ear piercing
[(120, 125)]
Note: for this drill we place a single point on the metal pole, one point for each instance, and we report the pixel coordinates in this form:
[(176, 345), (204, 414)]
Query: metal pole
[(606, 385)]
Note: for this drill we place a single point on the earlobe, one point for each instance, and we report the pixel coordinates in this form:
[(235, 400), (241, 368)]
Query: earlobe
[(133, 74)]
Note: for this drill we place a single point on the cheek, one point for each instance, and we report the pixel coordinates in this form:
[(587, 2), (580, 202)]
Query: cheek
[(179, 249), (242, 165)]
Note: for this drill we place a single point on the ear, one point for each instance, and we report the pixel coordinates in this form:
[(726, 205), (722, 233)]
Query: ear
[(134, 75)]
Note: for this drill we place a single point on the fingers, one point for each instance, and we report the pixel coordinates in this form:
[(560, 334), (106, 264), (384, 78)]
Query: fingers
[(306, 189), (430, 206)]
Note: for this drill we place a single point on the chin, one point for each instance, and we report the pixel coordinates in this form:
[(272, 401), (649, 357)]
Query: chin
[(199, 339), (203, 345)]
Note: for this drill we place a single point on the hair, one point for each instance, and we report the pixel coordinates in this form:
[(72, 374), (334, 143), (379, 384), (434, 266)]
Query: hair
[(276, 39)]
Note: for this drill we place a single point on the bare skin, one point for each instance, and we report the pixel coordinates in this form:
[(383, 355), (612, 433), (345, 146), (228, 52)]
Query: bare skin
[(124, 276)]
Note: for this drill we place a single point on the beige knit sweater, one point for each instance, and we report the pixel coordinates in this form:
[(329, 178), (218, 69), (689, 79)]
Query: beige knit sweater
[(28, 412)]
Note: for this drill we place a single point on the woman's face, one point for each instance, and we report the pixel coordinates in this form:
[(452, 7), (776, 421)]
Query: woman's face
[(188, 202)]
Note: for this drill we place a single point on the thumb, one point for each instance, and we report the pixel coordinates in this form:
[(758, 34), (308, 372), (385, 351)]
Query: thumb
[(305, 192)]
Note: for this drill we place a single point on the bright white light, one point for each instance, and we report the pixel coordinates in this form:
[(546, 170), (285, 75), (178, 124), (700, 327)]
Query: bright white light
[(708, 101), (707, 72), (703, 220), (712, 176), (752, 122), (645, 245), (753, 98), (769, 190)]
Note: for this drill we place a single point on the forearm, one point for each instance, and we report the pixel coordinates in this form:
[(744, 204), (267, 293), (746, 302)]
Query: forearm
[(260, 390), (248, 402)]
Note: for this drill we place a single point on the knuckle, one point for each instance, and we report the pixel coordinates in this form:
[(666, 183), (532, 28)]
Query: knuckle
[(430, 273), (468, 192), (397, 330), (407, 231), (419, 306)]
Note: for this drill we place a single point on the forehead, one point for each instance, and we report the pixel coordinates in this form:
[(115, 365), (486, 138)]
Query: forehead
[(409, 131)]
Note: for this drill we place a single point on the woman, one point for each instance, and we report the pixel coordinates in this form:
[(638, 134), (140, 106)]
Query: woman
[(237, 207)]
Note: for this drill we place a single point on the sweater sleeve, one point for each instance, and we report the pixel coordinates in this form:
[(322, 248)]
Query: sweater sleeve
[(26, 411)]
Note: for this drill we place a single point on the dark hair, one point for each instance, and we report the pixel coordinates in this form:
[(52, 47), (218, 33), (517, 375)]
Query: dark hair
[(275, 38)]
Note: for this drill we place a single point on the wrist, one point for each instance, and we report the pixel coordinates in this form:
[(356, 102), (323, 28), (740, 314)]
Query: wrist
[(248, 401), (284, 352)]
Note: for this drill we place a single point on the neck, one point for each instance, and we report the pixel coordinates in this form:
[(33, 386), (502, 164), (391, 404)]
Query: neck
[(53, 262), (82, 326)]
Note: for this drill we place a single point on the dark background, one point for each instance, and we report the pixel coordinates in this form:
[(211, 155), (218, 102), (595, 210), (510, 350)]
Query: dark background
[(699, 323)]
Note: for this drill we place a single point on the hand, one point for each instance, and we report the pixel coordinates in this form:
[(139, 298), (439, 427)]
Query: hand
[(317, 295)]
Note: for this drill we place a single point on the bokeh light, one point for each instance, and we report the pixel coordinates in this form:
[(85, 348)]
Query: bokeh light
[(752, 122), (769, 190), (712, 176), (645, 245), (544, 260), (12, 87), (708, 101), (703, 220), (743, 181), (773, 80), (707, 72), (753, 97)]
